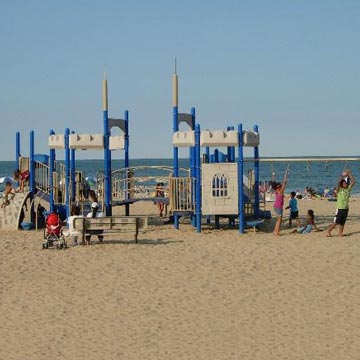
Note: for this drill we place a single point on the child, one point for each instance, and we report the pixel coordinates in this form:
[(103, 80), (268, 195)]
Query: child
[(342, 203), (279, 189), (159, 192), (74, 214), (8, 194), (310, 224), (294, 211), (21, 177)]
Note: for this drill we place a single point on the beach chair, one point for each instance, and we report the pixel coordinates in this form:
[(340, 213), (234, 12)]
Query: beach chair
[(53, 232)]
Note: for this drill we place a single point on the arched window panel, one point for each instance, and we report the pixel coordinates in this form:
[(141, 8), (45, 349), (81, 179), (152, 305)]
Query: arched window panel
[(219, 185)]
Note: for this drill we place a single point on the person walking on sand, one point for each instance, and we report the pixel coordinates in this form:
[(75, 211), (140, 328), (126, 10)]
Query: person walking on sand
[(345, 185), (279, 189)]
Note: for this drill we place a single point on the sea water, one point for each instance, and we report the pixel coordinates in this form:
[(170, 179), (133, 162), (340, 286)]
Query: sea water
[(315, 174)]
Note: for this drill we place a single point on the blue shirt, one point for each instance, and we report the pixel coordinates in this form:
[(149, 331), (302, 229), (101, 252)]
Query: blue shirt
[(293, 205)]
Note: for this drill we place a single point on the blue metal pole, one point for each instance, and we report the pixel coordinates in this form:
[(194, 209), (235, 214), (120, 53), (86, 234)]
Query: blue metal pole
[(51, 171), (198, 178), (107, 165), (72, 174), (67, 173), (207, 154), (193, 162), (176, 156), (32, 164), (257, 176), (216, 155), (240, 180), (127, 162), (192, 148)]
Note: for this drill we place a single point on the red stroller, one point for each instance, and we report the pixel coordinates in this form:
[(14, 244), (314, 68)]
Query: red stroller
[(53, 232)]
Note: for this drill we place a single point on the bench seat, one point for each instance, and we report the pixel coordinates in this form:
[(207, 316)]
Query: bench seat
[(111, 224)]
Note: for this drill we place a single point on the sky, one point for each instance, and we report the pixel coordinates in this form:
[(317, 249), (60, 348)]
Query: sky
[(291, 67)]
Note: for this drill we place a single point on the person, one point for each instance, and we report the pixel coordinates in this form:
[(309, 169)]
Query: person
[(310, 224), (8, 194), (95, 213), (21, 177), (85, 189), (294, 211), (279, 189), (160, 192), (342, 203), (93, 197), (74, 214)]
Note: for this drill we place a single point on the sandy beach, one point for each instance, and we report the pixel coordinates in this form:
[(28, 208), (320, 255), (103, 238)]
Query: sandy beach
[(182, 295)]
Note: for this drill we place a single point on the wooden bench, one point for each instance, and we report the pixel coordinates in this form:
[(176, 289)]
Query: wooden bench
[(110, 224)]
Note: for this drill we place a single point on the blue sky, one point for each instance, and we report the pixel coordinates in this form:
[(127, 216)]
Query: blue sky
[(292, 67)]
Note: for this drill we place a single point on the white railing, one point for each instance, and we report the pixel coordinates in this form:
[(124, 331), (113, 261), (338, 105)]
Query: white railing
[(141, 181), (182, 194), (42, 177)]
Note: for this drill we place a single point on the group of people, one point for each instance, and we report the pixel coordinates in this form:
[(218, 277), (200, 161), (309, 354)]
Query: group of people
[(345, 185)]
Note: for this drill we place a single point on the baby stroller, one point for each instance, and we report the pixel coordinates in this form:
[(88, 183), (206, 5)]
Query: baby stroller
[(53, 232)]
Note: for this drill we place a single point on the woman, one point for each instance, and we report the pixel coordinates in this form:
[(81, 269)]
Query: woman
[(279, 189)]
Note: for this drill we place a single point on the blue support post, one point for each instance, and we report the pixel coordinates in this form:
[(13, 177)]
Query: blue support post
[(72, 172), (67, 173), (176, 156), (240, 180), (193, 164), (51, 171), (257, 176), (198, 179), (32, 164), (216, 155), (127, 163), (107, 166)]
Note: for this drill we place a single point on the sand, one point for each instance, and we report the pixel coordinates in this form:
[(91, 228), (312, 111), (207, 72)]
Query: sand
[(182, 295)]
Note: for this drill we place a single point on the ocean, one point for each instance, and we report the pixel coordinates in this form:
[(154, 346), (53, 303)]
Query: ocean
[(315, 174)]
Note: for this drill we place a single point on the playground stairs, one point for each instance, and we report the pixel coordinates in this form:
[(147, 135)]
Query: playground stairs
[(10, 214)]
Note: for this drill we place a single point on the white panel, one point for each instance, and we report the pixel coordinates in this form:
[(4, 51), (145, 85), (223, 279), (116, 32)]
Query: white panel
[(251, 138), (217, 205), (117, 142), (57, 142), (86, 141), (184, 138), (219, 138)]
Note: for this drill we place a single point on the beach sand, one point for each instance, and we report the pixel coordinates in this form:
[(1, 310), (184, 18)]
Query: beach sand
[(182, 295)]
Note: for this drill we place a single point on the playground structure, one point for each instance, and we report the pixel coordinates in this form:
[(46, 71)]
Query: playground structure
[(189, 192), (214, 184)]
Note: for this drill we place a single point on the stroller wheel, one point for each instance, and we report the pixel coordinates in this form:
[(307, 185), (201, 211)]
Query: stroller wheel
[(44, 246)]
